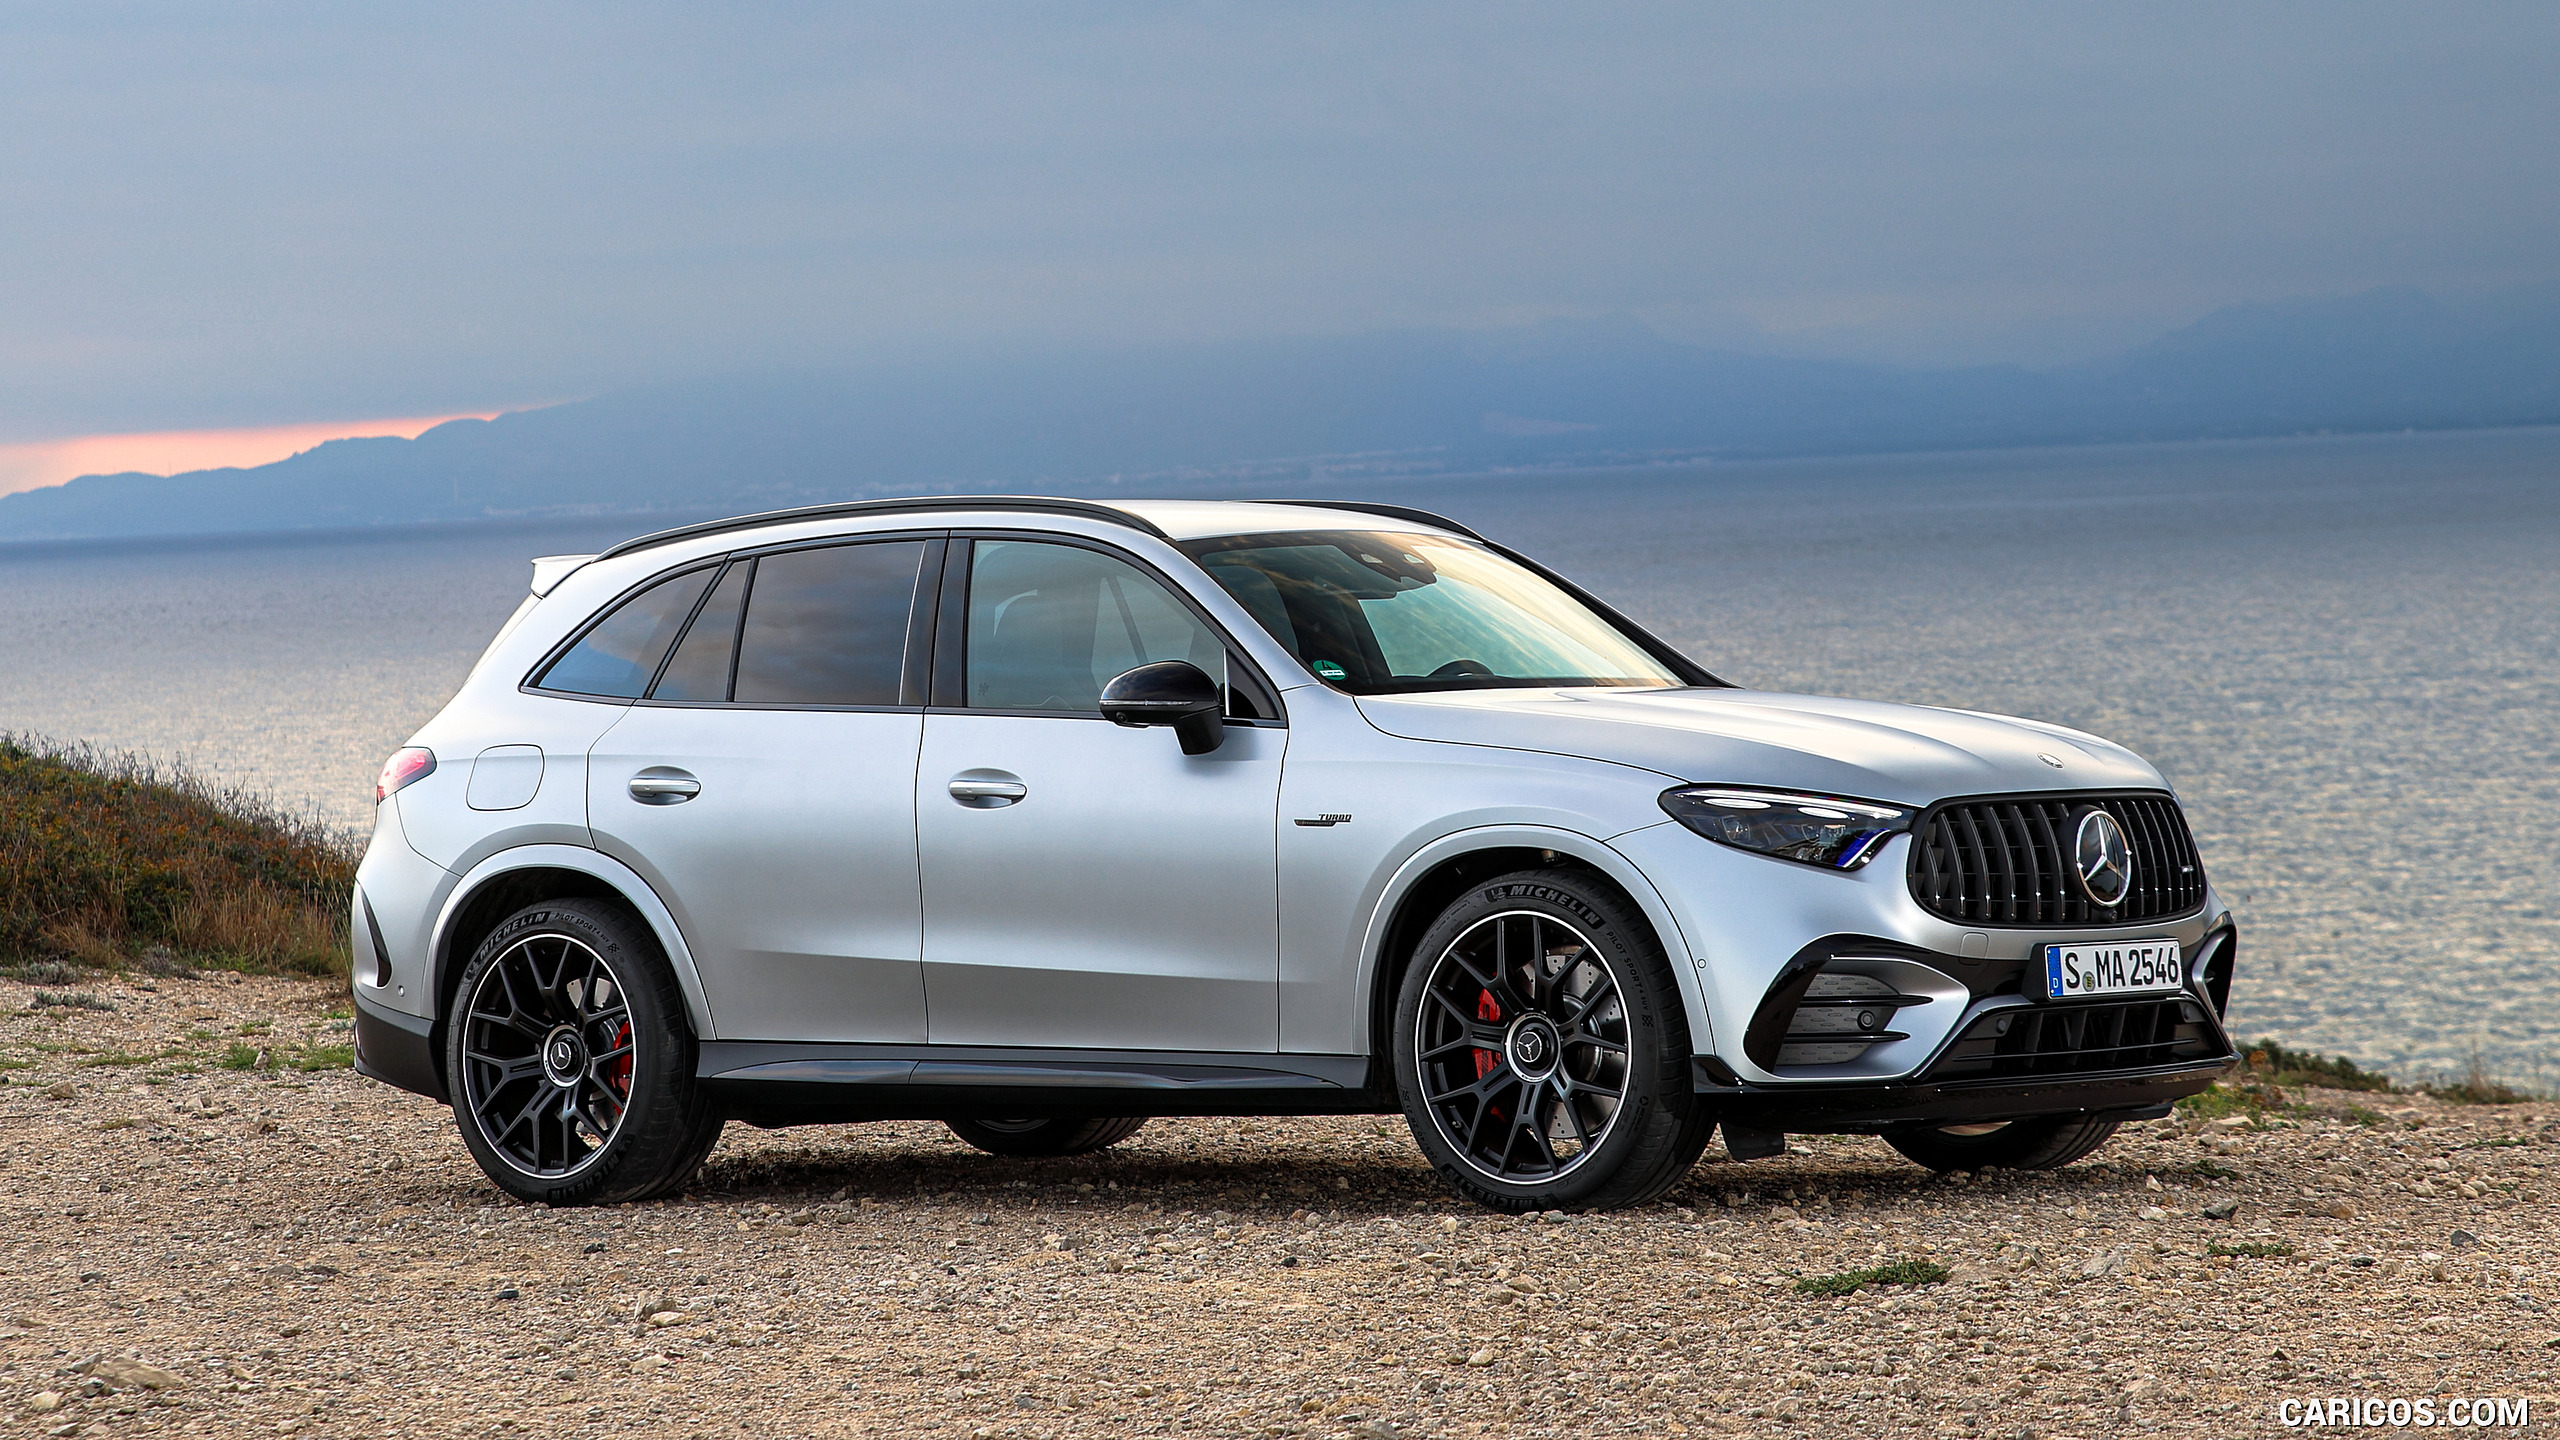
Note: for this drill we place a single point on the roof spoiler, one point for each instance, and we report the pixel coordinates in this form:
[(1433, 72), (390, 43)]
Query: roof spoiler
[(550, 570)]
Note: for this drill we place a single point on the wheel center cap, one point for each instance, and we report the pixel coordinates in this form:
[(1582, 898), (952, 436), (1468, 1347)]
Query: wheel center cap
[(1532, 1047), (564, 1056)]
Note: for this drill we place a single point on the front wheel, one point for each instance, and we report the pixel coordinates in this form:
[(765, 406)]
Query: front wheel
[(1047, 1137), (2045, 1144), (570, 1061), (1541, 1050)]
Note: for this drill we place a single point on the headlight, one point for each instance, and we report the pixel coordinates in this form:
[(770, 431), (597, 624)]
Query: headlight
[(1822, 830)]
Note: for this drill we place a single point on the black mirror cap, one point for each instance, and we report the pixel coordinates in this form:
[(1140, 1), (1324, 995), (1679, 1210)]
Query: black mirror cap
[(1170, 692)]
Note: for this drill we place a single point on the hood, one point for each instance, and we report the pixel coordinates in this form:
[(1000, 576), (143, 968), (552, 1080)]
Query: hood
[(1902, 754)]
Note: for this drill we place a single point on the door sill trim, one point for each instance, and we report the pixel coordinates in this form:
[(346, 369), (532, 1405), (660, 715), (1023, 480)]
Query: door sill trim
[(775, 1083), (1019, 1067)]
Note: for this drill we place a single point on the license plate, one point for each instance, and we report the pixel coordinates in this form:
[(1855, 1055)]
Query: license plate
[(2114, 967)]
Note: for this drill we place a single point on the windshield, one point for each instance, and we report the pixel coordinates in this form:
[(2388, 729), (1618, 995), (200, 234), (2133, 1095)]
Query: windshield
[(1373, 612)]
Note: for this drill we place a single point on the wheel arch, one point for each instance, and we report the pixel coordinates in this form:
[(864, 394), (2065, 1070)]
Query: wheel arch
[(1437, 873), (512, 879)]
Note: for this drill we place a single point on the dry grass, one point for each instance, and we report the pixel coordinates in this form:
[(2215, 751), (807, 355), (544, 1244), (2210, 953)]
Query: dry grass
[(111, 861)]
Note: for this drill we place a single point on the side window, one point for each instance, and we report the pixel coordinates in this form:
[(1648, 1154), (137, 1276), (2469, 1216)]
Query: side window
[(1050, 625), (618, 656), (828, 627), (699, 670)]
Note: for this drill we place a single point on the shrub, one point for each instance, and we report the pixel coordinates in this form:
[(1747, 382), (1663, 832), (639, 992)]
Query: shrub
[(110, 860), (2478, 1087), (72, 1000), (2281, 1066)]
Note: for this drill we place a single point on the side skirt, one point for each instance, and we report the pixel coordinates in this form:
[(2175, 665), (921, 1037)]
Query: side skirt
[(775, 1084)]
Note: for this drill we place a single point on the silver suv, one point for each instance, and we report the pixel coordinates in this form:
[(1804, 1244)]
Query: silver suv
[(1043, 817)]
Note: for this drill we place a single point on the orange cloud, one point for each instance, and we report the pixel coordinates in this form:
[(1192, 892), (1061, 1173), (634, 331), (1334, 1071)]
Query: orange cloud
[(30, 465)]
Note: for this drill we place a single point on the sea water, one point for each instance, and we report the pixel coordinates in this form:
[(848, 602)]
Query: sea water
[(2343, 652)]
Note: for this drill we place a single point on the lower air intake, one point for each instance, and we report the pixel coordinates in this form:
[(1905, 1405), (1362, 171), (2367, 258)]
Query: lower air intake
[(2031, 1040)]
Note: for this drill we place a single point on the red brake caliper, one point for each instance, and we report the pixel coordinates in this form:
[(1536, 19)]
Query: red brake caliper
[(1491, 1014), (618, 1074)]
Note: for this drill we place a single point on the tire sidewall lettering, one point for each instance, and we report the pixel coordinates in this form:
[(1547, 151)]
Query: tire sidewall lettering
[(1574, 906)]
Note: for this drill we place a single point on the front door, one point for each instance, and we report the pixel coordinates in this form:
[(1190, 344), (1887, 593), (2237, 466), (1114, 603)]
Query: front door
[(765, 788), (1086, 884)]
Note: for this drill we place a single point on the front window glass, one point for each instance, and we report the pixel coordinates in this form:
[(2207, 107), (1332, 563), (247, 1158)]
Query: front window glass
[(618, 656), (1374, 612), (1050, 625)]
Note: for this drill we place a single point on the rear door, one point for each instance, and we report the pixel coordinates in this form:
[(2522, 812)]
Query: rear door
[(765, 787)]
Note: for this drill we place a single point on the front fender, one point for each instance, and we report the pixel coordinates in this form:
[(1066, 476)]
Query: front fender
[(621, 877), (1567, 843)]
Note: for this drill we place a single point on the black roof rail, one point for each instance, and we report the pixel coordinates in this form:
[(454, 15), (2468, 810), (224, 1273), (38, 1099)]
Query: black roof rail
[(1086, 509), (1392, 512)]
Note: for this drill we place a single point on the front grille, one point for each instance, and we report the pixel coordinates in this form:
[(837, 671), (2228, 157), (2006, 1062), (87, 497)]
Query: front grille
[(2009, 862), (2075, 1039)]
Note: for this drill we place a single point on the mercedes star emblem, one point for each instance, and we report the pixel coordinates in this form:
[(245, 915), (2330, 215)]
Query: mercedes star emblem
[(2102, 860)]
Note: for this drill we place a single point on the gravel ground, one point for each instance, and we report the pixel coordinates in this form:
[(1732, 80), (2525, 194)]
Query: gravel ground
[(197, 1249)]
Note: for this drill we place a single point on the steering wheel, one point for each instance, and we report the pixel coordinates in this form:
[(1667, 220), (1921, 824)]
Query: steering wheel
[(1456, 668)]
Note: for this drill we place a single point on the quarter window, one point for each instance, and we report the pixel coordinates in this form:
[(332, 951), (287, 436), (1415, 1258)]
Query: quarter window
[(699, 670), (829, 626), (1050, 625), (617, 657)]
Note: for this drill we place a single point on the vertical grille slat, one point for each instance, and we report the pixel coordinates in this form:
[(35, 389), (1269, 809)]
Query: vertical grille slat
[(2052, 888), (2009, 861), (1975, 867), (2142, 836)]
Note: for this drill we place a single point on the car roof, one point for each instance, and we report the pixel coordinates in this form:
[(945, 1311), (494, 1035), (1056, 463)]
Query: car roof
[(1163, 519), (1202, 519)]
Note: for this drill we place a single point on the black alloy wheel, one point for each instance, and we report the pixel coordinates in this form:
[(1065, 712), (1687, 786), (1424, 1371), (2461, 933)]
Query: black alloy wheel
[(1542, 1050), (1077, 1135), (1523, 1047), (569, 1061)]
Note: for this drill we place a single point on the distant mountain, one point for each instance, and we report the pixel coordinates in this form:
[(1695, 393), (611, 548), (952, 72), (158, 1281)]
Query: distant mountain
[(1270, 412)]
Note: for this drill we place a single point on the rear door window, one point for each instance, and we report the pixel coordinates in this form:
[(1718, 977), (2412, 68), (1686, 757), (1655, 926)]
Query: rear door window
[(616, 659), (828, 626)]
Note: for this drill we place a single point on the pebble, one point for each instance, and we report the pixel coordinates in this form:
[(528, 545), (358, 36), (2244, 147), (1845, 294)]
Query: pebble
[(127, 1374), (944, 1298)]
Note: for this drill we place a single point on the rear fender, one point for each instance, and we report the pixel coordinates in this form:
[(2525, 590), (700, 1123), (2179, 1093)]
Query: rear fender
[(625, 881)]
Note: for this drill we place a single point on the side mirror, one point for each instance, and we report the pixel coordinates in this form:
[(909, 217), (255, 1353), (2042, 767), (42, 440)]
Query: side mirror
[(1170, 692)]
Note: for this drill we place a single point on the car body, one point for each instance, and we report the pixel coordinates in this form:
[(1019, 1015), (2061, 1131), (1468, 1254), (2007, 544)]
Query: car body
[(948, 887)]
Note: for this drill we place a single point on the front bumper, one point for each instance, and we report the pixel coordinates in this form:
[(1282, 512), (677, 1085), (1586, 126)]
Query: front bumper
[(1874, 1109)]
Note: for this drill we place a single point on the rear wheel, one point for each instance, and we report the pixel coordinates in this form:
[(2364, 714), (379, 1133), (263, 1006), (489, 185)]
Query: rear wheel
[(1077, 1136), (1541, 1049), (2043, 1144), (570, 1060)]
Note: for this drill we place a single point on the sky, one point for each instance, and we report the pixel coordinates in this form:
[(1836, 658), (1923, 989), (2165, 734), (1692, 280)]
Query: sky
[(295, 217)]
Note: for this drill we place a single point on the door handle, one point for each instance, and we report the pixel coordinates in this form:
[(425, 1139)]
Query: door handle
[(983, 791), (664, 785)]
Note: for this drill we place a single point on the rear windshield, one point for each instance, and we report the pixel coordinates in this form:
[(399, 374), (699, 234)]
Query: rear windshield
[(1374, 612)]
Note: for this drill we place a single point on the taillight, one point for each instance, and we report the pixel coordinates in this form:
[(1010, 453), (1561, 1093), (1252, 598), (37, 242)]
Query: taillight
[(413, 763)]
